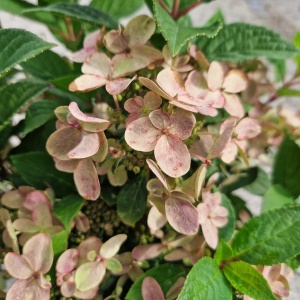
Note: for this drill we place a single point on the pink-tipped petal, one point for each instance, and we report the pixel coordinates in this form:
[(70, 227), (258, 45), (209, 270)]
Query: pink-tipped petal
[(112, 246), (86, 179), (141, 135), (97, 64), (151, 290), (195, 85), (118, 85), (145, 252), (156, 220), (90, 244), (17, 266), (233, 105), (158, 173), (159, 119), (210, 233), (247, 128), (170, 81), (216, 75), (172, 156), (86, 83), (154, 87), (12, 199), (68, 261), (235, 81), (182, 215)]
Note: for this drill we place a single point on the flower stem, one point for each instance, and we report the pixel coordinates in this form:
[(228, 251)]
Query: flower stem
[(187, 9)]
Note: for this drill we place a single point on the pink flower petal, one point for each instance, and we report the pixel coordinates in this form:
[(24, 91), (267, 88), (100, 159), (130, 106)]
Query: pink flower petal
[(90, 244), (68, 288), (159, 119), (17, 266), (88, 146), (112, 246), (86, 83), (158, 173), (152, 101), (233, 105), (82, 222), (154, 87), (201, 148), (279, 289), (151, 290), (203, 212), (88, 123), (86, 179), (230, 152), (210, 233), (38, 250), (216, 98), (89, 275), (97, 64), (216, 75), (155, 219), (68, 261), (90, 294), (62, 141), (235, 81), (17, 290), (195, 85), (115, 41), (81, 55), (141, 135), (12, 199), (247, 128), (182, 215), (172, 156), (219, 221), (66, 165), (177, 254), (41, 215), (103, 149), (182, 124), (118, 85), (145, 252), (25, 225), (134, 104)]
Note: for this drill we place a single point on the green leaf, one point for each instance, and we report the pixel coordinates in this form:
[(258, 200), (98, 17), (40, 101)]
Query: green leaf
[(269, 238), (206, 281), (47, 65), (239, 42), (132, 199), (165, 274), (288, 92), (60, 242), (18, 45), (117, 8), (260, 184), (248, 280), (78, 12), (38, 170), (67, 209), (39, 113), (227, 231), (294, 262), (224, 252), (275, 197), (15, 96), (287, 166), (177, 36)]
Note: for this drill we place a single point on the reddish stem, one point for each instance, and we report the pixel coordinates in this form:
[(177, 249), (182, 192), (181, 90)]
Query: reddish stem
[(163, 6), (186, 10), (175, 9)]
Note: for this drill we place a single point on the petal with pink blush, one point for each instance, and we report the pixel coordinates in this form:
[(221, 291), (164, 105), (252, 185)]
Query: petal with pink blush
[(62, 141), (17, 266), (141, 135), (219, 221), (177, 254), (115, 41), (230, 152), (17, 290), (184, 106), (247, 128), (233, 105), (182, 215), (210, 233), (145, 252), (216, 98), (216, 74), (41, 215), (89, 244), (154, 87), (151, 290), (195, 85), (134, 104), (172, 156), (235, 81), (90, 294), (68, 261), (68, 288), (86, 83), (12, 199), (182, 124), (103, 149), (117, 86), (170, 81), (38, 250), (97, 64), (25, 225), (279, 289), (159, 119), (66, 165), (203, 212), (201, 148), (155, 219), (81, 55), (207, 111), (152, 101), (272, 273), (88, 146), (112, 246)]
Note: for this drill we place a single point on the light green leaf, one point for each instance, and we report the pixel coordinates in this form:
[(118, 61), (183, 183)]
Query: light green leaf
[(113, 264), (287, 166), (288, 92), (206, 281), (39, 113), (177, 36), (47, 65), (117, 8), (260, 184), (38, 170), (240, 41), (165, 274), (18, 45), (15, 96), (60, 242), (275, 197), (269, 238), (227, 231), (224, 252), (132, 199), (78, 12), (248, 280), (67, 209)]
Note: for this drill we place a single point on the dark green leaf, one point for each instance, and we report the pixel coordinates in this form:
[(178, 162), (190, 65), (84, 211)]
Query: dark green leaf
[(248, 280), (166, 275), (269, 238), (224, 252), (178, 36), (15, 96), (117, 8), (240, 41), (206, 281), (132, 199), (47, 65), (18, 45), (39, 113), (227, 231), (79, 12), (294, 262), (260, 184), (275, 197), (67, 209), (287, 166), (38, 170)]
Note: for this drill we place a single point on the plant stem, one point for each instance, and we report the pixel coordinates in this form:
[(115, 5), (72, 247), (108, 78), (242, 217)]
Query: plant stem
[(188, 9), (163, 6), (175, 8)]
